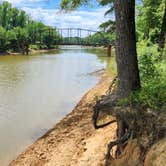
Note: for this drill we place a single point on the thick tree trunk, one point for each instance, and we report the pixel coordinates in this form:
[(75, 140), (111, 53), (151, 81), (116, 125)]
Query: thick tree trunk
[(126, 55), (162, 32)]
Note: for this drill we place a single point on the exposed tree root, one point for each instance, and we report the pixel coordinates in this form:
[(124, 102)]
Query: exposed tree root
[(111, 86), (97, 111), (95, 118), (132, 122), (121, 141)]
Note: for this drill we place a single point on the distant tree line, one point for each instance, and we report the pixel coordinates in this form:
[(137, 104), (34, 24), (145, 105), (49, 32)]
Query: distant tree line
[(18, 32), (97, 39), (101, 39)]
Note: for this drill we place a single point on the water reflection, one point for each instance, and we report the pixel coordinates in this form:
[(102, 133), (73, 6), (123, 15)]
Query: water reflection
[(101, 54)]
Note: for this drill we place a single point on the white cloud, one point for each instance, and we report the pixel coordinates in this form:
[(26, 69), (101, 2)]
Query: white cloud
[(12, 1), (87, 19), (15, 2), (76, 19)]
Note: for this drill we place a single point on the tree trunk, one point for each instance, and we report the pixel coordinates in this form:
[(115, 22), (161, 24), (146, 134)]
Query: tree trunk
[(162, 32), (126, 55)]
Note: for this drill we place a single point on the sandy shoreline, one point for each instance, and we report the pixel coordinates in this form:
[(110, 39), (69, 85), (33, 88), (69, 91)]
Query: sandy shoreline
[(73, 141)]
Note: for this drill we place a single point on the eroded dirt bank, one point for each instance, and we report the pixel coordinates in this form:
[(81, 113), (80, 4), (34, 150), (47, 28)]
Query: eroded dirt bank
[(73, 141)]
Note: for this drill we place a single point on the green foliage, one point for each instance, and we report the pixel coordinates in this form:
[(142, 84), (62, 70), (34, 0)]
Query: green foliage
[(148, 63), (22, 37), (153, 80), (11, 17), (72, 4), (34, 47), (152, 95), (3, 40), (154, 35), (149, 19), (18, 31), (5, 14), (50, 38), (100, 39), (35, 30), (97, 39), (108, 26)]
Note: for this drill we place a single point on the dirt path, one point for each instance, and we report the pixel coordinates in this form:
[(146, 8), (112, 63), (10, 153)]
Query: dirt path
[(73, 141)]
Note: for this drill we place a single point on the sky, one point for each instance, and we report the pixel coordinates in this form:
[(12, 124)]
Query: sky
[(48, 12)]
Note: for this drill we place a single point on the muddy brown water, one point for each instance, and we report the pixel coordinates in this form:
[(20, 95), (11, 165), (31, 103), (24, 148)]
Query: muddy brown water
[(36, 91)]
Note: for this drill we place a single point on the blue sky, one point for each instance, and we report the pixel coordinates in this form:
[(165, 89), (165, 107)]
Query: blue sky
[(48, 11)]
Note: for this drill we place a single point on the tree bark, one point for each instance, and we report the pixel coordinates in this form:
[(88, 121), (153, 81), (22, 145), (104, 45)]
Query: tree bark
[(162, 32), (126, 55)]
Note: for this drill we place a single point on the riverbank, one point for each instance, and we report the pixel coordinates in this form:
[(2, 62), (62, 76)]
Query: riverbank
[(30, 52), (73, 141), (42, 51), (38, 51)]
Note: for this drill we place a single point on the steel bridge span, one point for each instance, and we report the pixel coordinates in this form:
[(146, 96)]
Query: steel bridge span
[(76, 36)]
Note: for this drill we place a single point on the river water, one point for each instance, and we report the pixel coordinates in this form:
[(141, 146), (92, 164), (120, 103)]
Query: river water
[(36, 91)]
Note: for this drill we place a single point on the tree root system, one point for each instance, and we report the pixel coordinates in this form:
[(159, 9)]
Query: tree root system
[(133, 122)]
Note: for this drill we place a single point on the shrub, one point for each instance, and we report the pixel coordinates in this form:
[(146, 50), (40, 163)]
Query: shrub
[(3, 40), (153, 81)]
